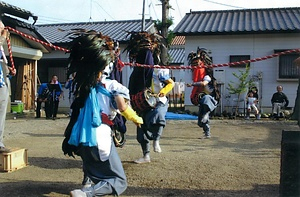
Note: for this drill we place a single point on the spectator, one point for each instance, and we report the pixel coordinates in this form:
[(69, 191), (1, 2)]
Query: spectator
[(254, 90), (56, 95), (44, 96), (5, 71), (278, 100), (70, 86), (252, 105)]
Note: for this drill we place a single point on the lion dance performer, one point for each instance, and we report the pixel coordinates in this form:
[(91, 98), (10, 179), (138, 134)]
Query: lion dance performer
[(209, 96), (97, 101), (144, 48)]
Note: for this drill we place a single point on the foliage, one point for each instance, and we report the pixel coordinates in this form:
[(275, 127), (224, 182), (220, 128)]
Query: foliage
[(242, 85), (243, 82), (159, 24), (171, 35)]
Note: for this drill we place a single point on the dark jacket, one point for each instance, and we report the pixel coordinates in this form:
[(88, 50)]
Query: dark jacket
[(280, 97)]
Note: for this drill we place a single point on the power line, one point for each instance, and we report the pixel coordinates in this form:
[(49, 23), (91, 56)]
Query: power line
[(223, 4), (153, 9), (104, 10), (178, 9), (45, 19), (90, 10)]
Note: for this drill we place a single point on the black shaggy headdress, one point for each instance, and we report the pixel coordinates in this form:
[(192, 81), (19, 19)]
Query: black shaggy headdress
[(201, 55), (90, 53), (142, 41)]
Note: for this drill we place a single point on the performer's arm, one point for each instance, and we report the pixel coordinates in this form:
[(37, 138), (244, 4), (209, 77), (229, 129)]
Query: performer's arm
[(165, 90), (127, 111), (200, 83)]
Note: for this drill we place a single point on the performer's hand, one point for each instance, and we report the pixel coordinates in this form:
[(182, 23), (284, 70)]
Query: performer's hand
[(12, 71), (138, 125), (5, 33), (161, 95), (130, 114), (189, 85)]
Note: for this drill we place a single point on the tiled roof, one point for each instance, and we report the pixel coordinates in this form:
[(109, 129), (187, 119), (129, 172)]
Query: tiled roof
[(117, 30), (10, 16), (15, 11), (7, 20), (177, 55), (267, 20)]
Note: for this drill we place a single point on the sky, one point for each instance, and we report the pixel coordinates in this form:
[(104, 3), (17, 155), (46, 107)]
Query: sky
[(73, 11)]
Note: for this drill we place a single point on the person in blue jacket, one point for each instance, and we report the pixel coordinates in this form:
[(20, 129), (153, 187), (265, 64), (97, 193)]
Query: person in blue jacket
[(44, 96)]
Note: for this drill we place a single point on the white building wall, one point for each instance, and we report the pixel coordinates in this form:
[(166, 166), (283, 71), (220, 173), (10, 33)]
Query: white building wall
[(256, 46)]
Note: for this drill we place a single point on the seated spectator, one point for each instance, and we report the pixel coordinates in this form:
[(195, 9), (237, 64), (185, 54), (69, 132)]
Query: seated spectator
[(254, 90), (279, 100), (252, 102)]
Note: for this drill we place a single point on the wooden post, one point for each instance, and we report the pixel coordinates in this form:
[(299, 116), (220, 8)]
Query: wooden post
[(290, 164), (164, 30)]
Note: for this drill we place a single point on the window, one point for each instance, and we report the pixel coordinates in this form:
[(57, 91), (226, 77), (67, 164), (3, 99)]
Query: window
[(238, 58), (287, 69)]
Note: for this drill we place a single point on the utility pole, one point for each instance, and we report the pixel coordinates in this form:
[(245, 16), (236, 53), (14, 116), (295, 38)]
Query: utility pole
[(143, 16), (164, 30)]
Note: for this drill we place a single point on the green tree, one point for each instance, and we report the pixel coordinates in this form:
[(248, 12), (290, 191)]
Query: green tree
[(241, 86)]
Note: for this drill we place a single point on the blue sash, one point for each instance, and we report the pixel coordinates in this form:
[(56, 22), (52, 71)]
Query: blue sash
[(84, 130)]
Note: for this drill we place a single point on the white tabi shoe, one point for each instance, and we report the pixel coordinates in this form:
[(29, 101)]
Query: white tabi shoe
[(77, 193), (156, 146), (145, 159)]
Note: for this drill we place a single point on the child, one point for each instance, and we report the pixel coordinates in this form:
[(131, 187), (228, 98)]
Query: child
[(252, 101)]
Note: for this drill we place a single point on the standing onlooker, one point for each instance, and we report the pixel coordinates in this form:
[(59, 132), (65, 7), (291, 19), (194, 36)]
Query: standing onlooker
[(56, 94), (70, 86), (278, 100), (44, 96), (208, 100), (4, 84)]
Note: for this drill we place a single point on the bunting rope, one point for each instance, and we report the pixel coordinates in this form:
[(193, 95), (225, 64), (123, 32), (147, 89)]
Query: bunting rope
[(158, 66), (37, 40), (10, 53)]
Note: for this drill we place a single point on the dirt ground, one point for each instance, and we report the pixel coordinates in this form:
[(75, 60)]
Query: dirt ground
[(241, 159)]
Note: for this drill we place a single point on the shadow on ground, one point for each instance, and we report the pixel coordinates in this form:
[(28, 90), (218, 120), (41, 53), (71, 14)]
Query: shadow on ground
[(61, 189)]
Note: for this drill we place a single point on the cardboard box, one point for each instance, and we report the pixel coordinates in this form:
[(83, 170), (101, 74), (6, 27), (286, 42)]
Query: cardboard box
[(13, 160), (17, 107)]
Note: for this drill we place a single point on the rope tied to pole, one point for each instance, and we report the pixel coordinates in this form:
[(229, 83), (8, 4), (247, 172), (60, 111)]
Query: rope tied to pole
[(156, 66)]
